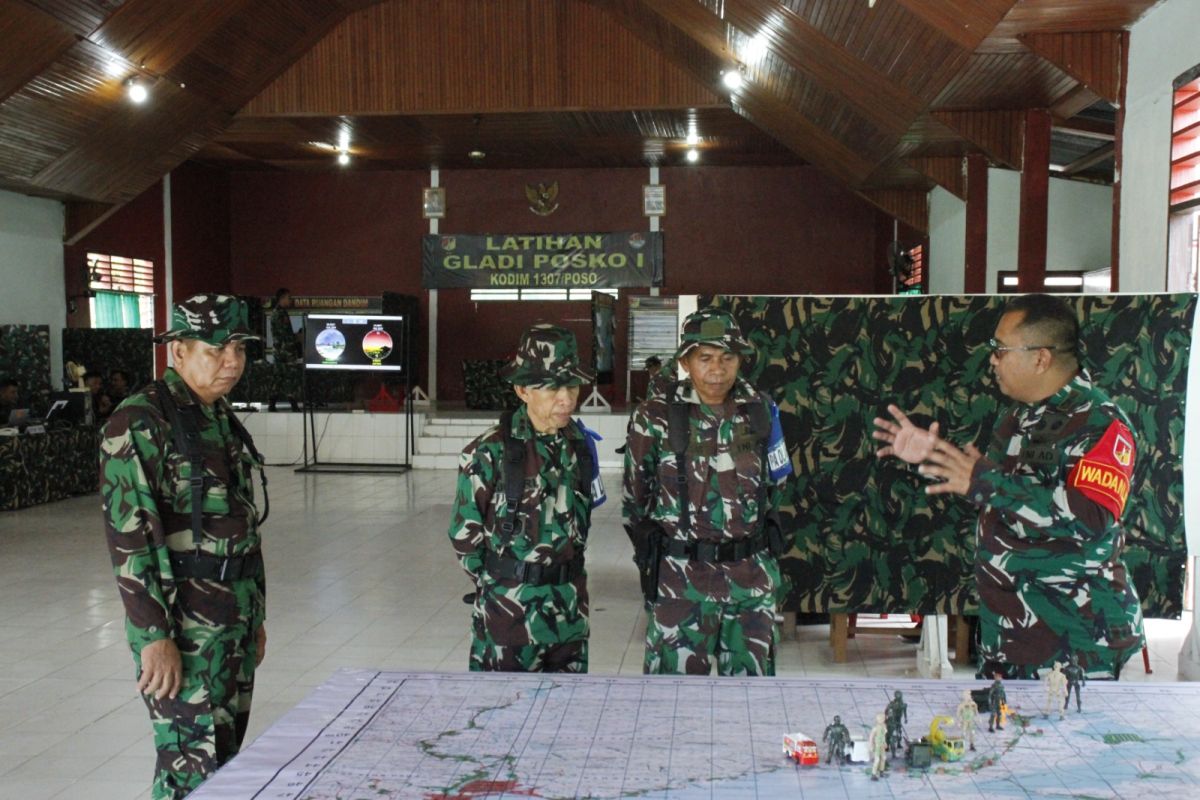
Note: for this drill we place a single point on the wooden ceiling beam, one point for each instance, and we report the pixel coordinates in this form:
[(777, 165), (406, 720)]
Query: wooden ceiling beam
[(945, 171), (1093, 58), (33, 40), (703, 56), (966, 27), (910, 206), (1091, 128), (1086, 162), (1074, 102), (1000, 134)]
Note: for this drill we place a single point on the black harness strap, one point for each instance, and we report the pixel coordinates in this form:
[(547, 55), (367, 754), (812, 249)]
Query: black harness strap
[(679, 431), (513, 467)]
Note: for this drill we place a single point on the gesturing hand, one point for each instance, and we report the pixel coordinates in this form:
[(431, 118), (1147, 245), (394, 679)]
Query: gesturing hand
[(902, 439), (952, 466)]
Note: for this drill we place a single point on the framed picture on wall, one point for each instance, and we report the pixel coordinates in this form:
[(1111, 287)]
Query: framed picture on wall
[(654, 200), (433, 202)]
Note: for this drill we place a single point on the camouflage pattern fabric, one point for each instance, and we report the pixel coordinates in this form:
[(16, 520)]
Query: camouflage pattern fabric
[(25, 358), (867, 538), (43, 467), (107, 349), (547, 357), (1048, 567), (287, 375), (485, 389), (517, 627), (705, 610), (147, 514), (211, 318)]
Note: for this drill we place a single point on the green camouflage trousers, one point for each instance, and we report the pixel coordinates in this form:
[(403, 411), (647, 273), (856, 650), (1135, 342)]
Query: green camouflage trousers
[(286, 382), (709, 617), (203, 727), (520, 628)]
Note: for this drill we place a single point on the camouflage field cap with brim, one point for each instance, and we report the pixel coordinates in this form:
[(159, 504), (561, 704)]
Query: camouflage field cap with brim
[(547, 357), (713, 327), (212, 318)]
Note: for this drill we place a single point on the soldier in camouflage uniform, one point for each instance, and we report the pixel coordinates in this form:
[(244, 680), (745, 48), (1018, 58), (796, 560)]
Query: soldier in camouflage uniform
[(531, 602), (286, 375), (194, 599), (718, 576), (1051, 491)]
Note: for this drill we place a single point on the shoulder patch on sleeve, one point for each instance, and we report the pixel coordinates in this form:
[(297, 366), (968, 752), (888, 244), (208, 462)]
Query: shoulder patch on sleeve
[(1103, 473)]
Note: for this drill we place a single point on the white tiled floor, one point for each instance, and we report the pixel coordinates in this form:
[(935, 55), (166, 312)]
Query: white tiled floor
[(360, 574)]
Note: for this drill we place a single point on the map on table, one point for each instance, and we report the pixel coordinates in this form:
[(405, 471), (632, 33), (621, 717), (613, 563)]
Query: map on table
[(441, 736)]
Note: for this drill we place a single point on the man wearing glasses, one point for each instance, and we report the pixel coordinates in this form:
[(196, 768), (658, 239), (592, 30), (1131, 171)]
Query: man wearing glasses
[(1051, 490)]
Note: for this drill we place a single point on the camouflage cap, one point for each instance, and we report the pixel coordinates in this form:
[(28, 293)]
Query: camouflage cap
[(713, 327), (546, 357), (212, 318)]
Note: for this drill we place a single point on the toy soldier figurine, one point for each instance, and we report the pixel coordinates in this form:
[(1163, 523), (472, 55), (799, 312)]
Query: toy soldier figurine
[(1056, 690), (184, 535), (1076, 678), (996, 701), (896, 714), (838, 736), (526, 489), (967, 713), (877, 747)]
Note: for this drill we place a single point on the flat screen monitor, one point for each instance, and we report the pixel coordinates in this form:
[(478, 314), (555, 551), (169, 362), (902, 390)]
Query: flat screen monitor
[(69, 407), (338, 341)]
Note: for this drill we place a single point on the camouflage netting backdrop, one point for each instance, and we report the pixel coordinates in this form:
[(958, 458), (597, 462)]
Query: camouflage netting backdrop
[(25, 358), (867, 537), (105, 349)]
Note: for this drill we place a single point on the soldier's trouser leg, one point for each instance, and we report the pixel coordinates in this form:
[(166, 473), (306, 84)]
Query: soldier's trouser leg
[(529, 628), (203, 727), (681, 637)]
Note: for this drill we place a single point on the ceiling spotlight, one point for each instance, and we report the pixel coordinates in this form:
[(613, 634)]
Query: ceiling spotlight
[(693, 155), (476, 155), (136, 91), (343, 158), (692, 138), (732, 78)]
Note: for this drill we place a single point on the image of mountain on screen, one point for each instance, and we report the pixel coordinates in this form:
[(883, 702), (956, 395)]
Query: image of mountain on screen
[(330, 343), (377, 344)]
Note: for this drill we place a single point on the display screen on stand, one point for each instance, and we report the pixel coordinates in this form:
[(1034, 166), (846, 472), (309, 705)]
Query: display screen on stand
[(335, 341)]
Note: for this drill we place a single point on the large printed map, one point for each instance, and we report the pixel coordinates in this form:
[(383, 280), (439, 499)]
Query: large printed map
[(366, 734)]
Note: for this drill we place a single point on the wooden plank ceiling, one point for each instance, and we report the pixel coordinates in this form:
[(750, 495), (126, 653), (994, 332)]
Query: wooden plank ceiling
[(887, 99)]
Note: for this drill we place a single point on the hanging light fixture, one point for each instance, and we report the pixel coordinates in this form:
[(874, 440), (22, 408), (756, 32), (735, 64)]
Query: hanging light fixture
[(136, 91)]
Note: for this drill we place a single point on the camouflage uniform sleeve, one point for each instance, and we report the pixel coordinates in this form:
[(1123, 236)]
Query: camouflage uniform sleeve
[(639, 489), (477, 474), (1051, 507), (131, 469)]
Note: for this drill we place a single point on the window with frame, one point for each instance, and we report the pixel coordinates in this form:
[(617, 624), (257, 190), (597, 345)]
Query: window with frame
[(913, 282), (1183, 256), (488, 295), (121, 291)]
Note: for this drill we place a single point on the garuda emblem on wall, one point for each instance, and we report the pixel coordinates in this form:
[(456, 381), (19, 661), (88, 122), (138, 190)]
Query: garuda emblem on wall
[(543, 198)]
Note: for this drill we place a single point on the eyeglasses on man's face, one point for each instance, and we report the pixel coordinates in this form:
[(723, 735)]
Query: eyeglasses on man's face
[(1000, 349)]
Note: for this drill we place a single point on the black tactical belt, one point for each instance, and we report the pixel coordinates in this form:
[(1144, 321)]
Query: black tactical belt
[(201, 566), (506, 569), (716, 552)]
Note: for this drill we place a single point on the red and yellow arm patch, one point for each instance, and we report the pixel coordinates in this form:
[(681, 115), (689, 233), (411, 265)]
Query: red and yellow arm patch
[(1104, 472)]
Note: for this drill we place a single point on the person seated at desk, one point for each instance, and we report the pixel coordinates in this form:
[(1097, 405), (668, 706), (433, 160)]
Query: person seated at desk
[(102, 404), (8, 399)]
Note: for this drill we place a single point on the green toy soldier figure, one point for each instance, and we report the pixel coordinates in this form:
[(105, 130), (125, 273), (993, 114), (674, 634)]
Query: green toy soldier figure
[(996, 701), (896, 714), (967, 715), (526, 489), (1076, 679), (1050, 491), (704, 461), (838, 737), (183, 531)]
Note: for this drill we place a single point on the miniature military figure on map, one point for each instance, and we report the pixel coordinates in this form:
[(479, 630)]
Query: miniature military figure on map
[(967, 715), (877, 746), (1051, 491), (183, 532), (837, 736), (896, 715), (705, 462), (526, 490), (996, 701), (1076, 678), (1056, 690)]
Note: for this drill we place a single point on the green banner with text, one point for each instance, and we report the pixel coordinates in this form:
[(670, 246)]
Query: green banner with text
[(542, 261)]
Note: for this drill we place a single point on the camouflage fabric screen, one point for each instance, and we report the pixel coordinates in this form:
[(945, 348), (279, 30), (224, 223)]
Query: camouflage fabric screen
[(25, 358), (867, 537), (106, 349), (485, 389), (38, 468)]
